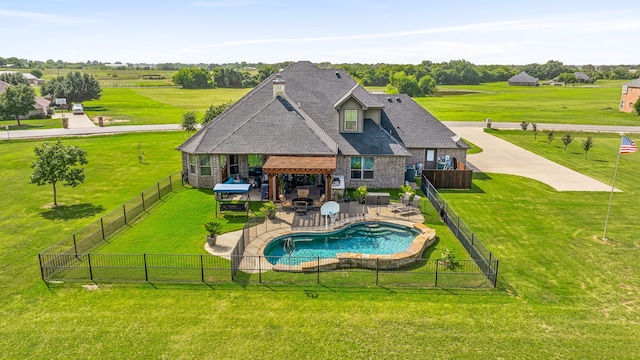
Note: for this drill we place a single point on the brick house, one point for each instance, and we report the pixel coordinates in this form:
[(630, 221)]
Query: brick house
[(306, 121), (630, 94)]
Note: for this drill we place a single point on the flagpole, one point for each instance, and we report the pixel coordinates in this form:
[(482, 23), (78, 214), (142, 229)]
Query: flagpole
[(606, 222)]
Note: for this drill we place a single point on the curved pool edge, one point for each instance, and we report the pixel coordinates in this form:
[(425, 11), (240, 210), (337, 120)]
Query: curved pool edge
[(424, 239)]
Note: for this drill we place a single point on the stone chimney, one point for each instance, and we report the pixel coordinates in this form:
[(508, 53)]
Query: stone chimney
[(278, 86)]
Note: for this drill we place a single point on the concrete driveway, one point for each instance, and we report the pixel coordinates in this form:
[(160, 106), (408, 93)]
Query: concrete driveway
[(76, 121), (500, 156)]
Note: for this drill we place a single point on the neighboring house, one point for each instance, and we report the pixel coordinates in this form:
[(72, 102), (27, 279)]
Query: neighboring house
[(582, 77), (523, 79), (312, 121), (33, 80), (42, 105), (630, 94)]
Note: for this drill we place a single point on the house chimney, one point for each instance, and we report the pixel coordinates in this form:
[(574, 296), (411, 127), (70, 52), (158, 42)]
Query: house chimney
[(278, 86)]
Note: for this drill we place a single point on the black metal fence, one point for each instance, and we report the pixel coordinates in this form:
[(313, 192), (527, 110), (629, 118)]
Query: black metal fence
[(72, 260), (485, 259), (78, 245), (256, 270)]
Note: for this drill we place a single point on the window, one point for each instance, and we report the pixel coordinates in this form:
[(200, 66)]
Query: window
[(192, 163), (205, 165), (350, 120), (234, 165), (362, 167)]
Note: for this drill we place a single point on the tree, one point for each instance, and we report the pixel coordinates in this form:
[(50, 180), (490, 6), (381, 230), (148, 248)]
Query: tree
[(17, 101), (406, 84), (524, 125), (550, 137), (193, 78), (587, 145), (427, 85), (214, 111), (189, 122), (13, 78), (37, 73), (534, 128), (76, 87), (567, 78), (636, 107), (567, 139), (58, 163)]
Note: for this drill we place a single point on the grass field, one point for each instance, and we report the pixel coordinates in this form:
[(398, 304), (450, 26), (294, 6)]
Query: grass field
[(563, 294), (595, 104), (143, 106)]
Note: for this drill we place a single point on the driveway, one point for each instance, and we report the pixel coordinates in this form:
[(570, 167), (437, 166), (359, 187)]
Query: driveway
[(500, 156), (76, 121)]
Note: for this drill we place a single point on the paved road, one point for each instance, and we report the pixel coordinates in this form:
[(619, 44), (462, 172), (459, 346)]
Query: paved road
[(83, 131), (542, 127), (500, 156)]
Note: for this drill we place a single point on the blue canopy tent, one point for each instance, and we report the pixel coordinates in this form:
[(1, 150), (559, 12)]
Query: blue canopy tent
[(233, 205)]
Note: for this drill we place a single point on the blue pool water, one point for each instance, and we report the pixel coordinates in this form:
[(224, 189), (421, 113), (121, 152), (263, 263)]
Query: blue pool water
[(363, 238)]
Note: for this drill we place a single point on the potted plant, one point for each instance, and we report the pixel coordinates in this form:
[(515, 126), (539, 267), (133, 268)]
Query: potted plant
[(269, 208), (361, 194), (214, 229)]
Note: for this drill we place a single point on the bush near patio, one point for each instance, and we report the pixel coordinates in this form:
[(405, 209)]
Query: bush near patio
[(565, 294)]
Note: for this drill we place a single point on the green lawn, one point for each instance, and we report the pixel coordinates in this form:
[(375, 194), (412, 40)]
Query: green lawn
[(143, 106), (30, 124), (595, 104), (563, 294)]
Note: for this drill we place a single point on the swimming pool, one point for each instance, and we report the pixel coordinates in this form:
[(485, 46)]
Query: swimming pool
[(364, 238)]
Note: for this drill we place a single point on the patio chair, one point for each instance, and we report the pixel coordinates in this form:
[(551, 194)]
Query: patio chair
[(412, 207), (286, 204), (320, 201), (303, 193), (404, 202)]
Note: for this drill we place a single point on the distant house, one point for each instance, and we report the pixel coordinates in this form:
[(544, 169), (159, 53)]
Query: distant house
[(582, 77), (33, 80), (523, 79), (630, 94), (323, 124), (42, 105)]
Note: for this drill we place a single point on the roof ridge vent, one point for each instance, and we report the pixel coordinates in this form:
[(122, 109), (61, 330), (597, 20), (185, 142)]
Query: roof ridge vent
[(338, 75)]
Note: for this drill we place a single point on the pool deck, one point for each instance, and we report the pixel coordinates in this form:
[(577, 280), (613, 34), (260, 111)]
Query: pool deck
[(288, 222)]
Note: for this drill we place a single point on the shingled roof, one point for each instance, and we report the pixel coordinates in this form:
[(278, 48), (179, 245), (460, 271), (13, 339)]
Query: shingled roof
[(523, 77), (305, 120), (634, 83)]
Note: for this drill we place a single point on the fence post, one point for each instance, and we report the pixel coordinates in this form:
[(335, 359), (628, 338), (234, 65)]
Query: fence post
[(458, 227), (143, 207), (495, 275), (318, 270), (75, 246), (124, 212), (102, 228), (41, 267), (436, 284), (201, 268), (259, 269), (146, 274), (159, 197), (90, 269), (170, 184), (472, 236), (377, 270)]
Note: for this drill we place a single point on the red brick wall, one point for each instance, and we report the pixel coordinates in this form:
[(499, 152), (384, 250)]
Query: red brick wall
[(627, 100)]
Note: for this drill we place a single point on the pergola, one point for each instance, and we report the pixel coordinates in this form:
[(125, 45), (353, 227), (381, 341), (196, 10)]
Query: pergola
[(281, 165)]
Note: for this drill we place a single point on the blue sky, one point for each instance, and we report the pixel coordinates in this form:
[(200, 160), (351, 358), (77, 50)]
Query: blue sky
[(371, 31)]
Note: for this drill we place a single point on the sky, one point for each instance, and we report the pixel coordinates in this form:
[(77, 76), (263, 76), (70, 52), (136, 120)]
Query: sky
[(345, 31)]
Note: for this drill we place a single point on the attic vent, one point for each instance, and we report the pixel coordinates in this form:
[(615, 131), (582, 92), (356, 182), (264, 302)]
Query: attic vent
[(398, 100), (389, 100), (338, 75)]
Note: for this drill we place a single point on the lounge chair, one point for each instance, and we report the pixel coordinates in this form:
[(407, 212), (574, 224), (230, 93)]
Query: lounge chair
[(286, 204), (404, 202), (411, 208)]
